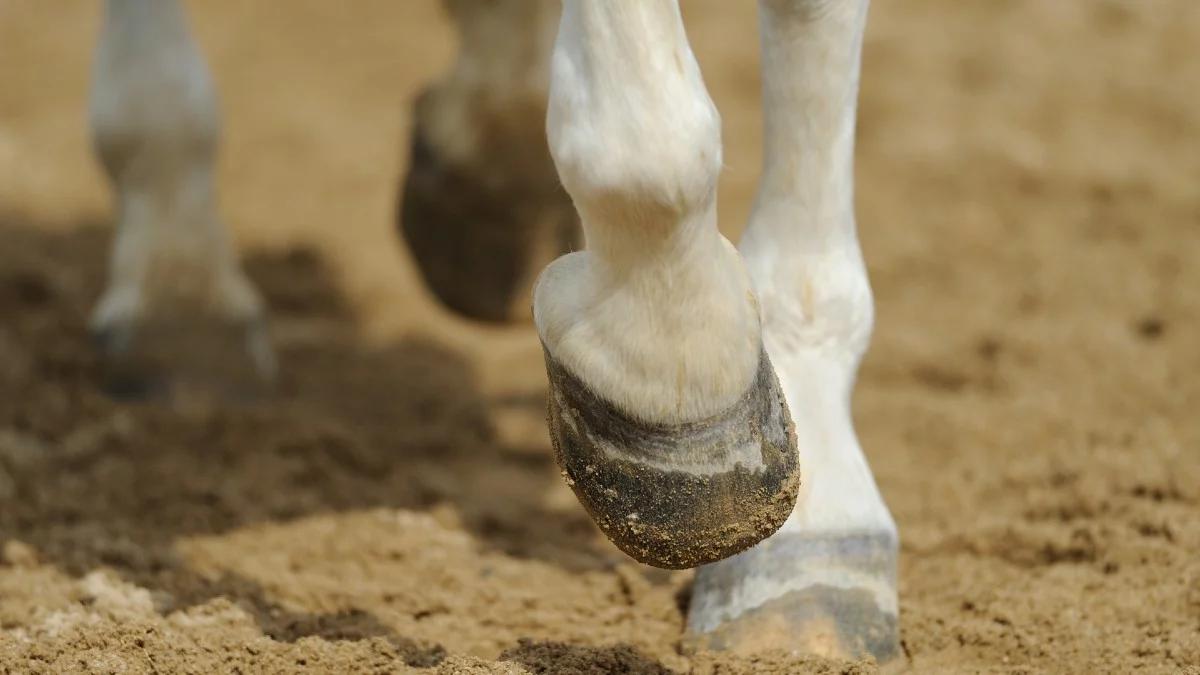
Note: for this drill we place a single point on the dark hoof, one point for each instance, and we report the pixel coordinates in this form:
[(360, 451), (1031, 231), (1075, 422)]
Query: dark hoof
[(185, 357), (683, 495), (480, 232)]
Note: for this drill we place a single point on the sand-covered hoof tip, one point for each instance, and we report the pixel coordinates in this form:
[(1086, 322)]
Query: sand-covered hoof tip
[(678, 495)]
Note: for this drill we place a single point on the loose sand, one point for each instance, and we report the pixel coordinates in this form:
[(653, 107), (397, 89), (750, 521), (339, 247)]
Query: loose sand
[(1030, 211)]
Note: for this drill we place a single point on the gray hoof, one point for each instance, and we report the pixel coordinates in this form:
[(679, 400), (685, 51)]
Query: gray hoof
[(186, 356), (827, 594), (678, 495)]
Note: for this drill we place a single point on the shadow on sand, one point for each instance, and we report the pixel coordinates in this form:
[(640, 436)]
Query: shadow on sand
[(92, 482)]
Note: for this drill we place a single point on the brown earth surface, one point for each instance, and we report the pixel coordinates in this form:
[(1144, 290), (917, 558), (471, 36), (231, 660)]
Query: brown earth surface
[(1029, 206)]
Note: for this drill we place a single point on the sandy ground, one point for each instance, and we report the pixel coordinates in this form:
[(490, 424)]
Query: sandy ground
[(1030, 212)]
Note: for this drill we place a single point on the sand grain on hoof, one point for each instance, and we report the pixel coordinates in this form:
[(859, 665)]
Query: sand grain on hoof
[(678, 495)]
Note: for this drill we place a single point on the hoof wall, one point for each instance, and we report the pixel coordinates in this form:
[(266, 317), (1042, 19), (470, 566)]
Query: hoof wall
[(198, 357), (825, 595), (678, 495), (480, 231)]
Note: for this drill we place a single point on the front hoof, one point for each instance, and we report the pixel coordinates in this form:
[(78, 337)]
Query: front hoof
[(830, 594), (678, 495)]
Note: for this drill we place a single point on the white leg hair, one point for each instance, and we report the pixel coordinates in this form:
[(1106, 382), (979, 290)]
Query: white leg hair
[(154, 124), (657, 314), (502, 65), (155, 128), (667, 418), (803, 254)]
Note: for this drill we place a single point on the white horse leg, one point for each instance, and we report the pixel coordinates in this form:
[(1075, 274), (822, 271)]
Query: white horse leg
[(826, 582), (154, 125), (481, 208), (665, 413)]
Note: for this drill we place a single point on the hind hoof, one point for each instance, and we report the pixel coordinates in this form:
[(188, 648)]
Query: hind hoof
[(480, 231), (185, 357)]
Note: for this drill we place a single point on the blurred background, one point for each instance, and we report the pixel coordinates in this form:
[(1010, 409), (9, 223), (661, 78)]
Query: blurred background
[(1029, 207)]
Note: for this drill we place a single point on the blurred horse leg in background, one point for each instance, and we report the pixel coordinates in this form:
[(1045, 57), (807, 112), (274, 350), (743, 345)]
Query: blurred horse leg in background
[(481, 207), (178, 310)]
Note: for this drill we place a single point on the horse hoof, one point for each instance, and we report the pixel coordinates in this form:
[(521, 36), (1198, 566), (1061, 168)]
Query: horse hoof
[(678, 495)]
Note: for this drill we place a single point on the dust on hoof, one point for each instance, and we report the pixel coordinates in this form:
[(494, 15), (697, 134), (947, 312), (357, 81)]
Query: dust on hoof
[(824, 595), (185, 357), (678, 495), (480, 231)]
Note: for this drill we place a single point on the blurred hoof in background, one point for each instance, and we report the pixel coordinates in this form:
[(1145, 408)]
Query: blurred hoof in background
[(182, 356), (481, 226)]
